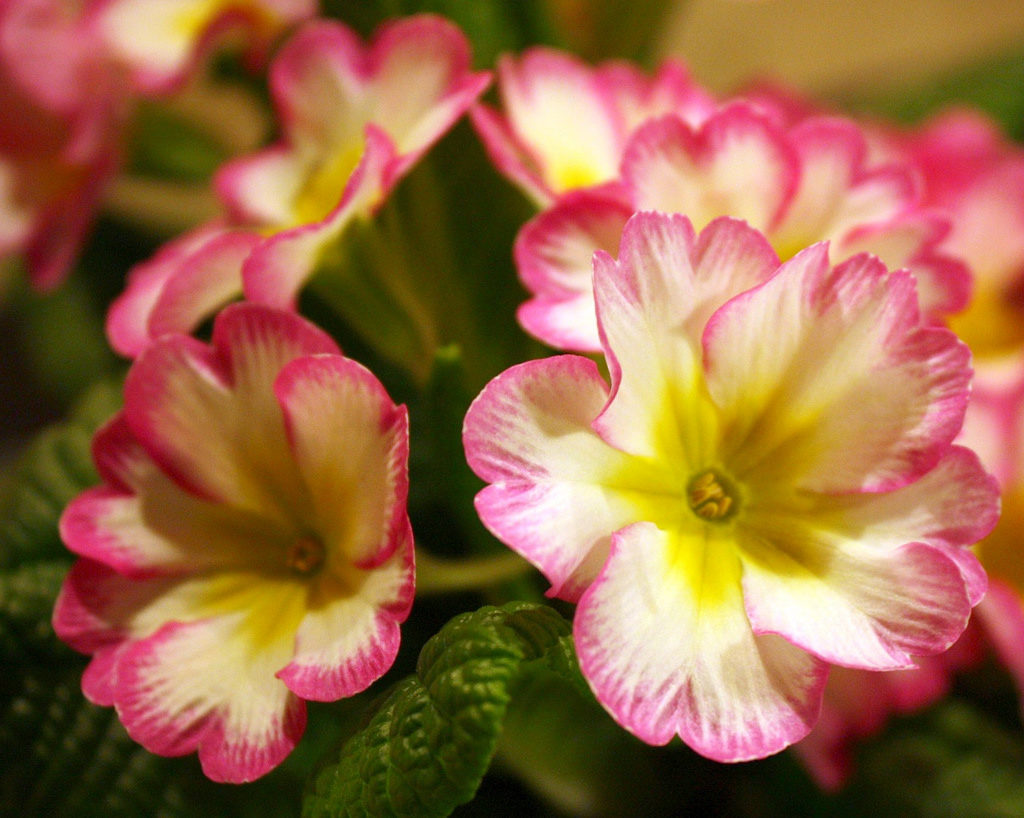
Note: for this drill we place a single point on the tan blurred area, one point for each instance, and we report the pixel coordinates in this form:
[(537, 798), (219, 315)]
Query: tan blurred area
[(839, 47)]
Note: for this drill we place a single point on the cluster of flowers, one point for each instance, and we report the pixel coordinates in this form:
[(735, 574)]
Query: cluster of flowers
[(771, 484)]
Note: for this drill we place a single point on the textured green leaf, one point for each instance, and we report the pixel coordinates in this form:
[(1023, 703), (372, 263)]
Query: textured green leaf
[(62, 756), (426, 748), (27, 595), (55, 467)]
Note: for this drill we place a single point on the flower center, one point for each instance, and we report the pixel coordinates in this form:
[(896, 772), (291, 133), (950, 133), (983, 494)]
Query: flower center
[(712, 496), (305, 555)]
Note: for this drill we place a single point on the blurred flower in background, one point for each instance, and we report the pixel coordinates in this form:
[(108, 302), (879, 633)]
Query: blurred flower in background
[(240, 553)]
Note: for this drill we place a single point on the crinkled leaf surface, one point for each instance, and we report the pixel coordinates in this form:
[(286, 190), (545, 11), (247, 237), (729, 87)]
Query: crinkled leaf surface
[(426, 748)]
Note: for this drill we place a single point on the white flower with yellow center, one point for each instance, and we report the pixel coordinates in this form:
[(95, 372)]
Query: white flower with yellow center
[(768, 487)]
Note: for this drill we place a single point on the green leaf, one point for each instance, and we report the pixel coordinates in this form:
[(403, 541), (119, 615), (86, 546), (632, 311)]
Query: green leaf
[(63, 340), (170, 147), (62, 756), (27, 595), (492, 26), (995, 86), (427, 747), (629, 29), (566, 748), (951, 761), (56, 466)]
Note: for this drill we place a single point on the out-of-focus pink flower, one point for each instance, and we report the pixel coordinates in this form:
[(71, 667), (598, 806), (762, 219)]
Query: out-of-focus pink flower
[(768, 486), (973, 174), (798, 184), (857, 704), (563, 124), (249, 547), (355, 119), (63, 107), (162, 41), (975, 177)]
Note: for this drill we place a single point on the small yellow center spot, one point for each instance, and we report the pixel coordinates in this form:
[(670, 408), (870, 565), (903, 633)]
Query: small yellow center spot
[(325, 183), (572, 175), (305, 555), (712, 497)]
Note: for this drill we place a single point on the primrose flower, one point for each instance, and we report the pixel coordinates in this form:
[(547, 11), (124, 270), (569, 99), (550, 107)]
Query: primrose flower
[(355, 119), (249, 547), (59, 134), (976, 177), (768, 487), (857, 703), (162, 41), (565, 124), (800, 184)]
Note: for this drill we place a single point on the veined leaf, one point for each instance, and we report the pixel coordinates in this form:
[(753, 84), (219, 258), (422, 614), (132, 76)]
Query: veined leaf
[(428, 745), (55, 467)]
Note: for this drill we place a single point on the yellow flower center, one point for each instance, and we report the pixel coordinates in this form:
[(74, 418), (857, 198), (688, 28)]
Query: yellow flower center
[(712, 496), (993, 322), (326, 181), (305, 556)]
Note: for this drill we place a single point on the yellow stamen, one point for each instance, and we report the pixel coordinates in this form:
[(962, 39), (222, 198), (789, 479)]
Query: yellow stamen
[(710, 497), (306, 555)]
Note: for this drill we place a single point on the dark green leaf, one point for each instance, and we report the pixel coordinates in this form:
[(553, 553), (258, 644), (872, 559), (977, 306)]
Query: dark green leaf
[(995, 86), (952, 761), (492, 26), (428, 745), (56, 467), (169, 147)]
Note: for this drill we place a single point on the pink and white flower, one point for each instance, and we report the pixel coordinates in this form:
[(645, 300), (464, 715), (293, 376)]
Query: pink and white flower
[(857, 703), (798, 185), (768, 486), (355, 119), (249, 547), (564, 124), (162, 41), (63, 108), (976, 178)]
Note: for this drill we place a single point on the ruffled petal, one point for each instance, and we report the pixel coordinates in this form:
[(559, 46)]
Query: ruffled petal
[(421, 83), (128, 320), (737, 165), (550, 99), (260, 190), (558, 491), (651, 304), (278, 268), (953, 505), (349, 636), (869, 403), (197, 686), (850, 603), (207, 280), (208, 416), (944, 283), (665, 644), (189, 664), (351, 445), (554, 255)]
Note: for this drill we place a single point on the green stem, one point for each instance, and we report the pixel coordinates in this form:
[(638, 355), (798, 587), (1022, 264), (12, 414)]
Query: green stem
[(435, 575)]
